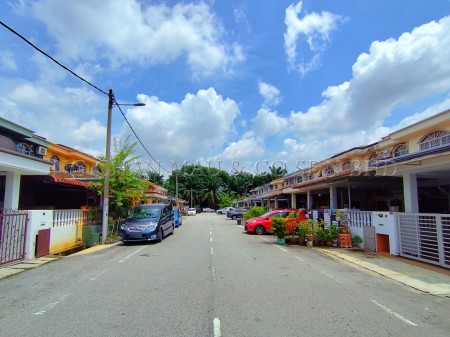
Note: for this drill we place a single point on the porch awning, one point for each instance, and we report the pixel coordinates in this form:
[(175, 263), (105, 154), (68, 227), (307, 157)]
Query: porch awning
[(68, 181)]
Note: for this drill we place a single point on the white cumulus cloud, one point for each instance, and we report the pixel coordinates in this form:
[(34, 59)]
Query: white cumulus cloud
[(314, 29), (126, 32)]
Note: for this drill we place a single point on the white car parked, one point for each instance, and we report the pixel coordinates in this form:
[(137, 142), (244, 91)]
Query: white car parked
[(191, 211)]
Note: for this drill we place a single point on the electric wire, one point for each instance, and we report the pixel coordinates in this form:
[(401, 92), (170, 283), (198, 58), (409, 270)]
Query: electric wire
[(126, 120), (82, 79), (51, 58)]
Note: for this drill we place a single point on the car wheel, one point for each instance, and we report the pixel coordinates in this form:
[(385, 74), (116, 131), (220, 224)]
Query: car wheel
[(259, 230), (219, 212), (125, 243), (234, 217), (161, 235)]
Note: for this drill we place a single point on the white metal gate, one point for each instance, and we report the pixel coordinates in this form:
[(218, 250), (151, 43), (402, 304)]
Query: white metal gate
[(425, 237)]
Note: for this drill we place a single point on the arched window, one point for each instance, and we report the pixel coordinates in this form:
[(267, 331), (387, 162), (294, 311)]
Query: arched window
[(347, 165), (55, 163), (373, 160), (434, 140), (329, 171), (79, 166), (400, 150), (24, 149)]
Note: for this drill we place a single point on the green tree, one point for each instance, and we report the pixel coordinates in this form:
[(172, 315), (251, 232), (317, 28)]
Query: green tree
[(126, 188), (155, 178), (226, 200), (212, 190)]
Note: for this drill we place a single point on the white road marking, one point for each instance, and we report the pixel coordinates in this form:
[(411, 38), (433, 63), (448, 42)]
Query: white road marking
[(389, 311), (330, 276), (212, 251), (51, 305), (299, 258), (134, 253), (97, 276), (210, 239), (278, 246), (213, 274), (217, 332)]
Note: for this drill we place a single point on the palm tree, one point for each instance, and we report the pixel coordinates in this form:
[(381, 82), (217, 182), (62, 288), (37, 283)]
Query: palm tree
[(212, 190)]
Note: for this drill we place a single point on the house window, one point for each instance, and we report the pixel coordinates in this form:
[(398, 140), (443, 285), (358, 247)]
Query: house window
[(434, 140), (55, 163), (329, 171), (347, 165), (400, 150), (79, 166), (24, 149), (373, 159)]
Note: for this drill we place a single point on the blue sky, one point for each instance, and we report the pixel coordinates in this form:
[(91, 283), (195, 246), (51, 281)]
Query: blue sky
[(230, 82)]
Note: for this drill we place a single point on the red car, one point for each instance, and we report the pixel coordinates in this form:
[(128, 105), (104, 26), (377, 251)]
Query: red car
[(263, 224)]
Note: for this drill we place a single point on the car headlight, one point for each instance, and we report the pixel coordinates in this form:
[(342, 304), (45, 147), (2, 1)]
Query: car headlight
[(151, 225), (123, 226)]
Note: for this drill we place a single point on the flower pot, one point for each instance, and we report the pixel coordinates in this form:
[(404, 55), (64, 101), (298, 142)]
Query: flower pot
[(309, 243), (292, 241), (281, 241)]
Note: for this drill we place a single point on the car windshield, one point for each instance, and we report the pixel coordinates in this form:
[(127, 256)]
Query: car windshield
[(265, 214), (144, 212), (192, 209)]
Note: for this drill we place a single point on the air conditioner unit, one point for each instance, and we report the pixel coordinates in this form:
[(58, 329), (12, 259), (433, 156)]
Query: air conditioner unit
[(41, 150)]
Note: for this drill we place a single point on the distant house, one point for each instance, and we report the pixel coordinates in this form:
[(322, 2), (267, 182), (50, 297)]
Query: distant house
[(68, 185)]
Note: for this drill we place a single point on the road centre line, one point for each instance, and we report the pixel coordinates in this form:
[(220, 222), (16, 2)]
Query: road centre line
[(389, 311), (330, 276), (299, 258), (51, 305), (134, 253), (98, 275), (217, 332)]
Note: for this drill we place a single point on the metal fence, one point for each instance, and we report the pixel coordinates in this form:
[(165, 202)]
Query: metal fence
[(13, 228), (425, 237)]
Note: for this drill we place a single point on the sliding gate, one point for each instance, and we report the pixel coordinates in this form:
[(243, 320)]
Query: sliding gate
[(13, 228), (425, 237)]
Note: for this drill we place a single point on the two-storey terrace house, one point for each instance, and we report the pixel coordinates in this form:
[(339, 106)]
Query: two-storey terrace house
[(21, 155)]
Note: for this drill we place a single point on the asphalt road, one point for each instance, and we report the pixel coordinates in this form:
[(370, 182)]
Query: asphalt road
[(211, 279)]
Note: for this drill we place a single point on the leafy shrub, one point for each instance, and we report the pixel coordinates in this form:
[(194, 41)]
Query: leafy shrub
[(279, 227), (255, 212)]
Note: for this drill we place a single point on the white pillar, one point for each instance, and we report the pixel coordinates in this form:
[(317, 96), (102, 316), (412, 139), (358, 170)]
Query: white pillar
[(276, 202), (410, 193), (309, 199), (293, 200), (333, 197), (12, 190)]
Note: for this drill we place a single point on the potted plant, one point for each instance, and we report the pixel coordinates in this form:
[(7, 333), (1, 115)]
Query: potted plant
[(357, 240), (308, 230), (321, 236), (328, 240), (279, 229), (334, 232), (301, 232)]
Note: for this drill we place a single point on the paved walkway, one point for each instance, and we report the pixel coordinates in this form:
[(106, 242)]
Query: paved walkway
[(421, 276)]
